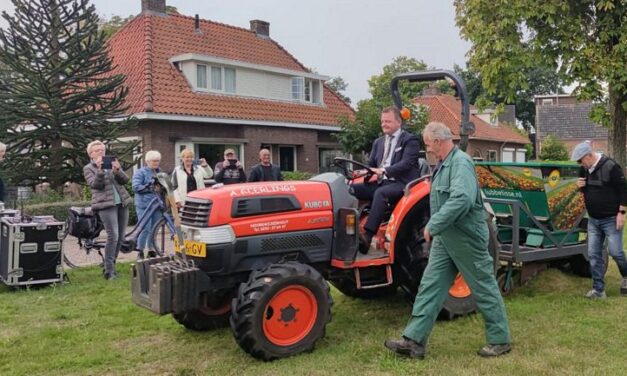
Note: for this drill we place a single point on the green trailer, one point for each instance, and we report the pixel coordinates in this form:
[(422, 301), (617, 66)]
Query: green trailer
[(540, 217)]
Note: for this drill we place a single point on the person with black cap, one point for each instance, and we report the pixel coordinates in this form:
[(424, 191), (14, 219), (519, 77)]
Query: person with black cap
[(602, 182)]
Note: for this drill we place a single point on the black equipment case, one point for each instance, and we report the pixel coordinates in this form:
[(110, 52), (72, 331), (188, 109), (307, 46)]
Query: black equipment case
[(31, 252)]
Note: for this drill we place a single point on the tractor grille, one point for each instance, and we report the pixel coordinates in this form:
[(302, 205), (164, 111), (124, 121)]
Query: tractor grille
[(196, 212), (291, 242)]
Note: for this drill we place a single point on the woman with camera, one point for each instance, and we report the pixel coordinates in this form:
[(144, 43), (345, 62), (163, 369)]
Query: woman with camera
[(143, 188), (230, 171), (106, 179), (189, 176)]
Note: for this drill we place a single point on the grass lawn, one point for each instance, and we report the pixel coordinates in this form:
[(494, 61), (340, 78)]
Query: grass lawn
[(90, 327)]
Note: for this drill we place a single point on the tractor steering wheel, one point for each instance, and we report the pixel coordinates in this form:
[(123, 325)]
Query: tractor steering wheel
[(343, 163)]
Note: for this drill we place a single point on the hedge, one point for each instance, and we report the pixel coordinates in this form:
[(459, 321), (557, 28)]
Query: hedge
[(59, 210)]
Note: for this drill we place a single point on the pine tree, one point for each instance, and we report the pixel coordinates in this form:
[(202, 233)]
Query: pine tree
[(58, 91)]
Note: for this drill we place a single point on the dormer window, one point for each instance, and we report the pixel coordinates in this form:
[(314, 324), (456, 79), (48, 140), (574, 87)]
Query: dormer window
[(306, 90), (212, 74), (220, 78), (201, 76)]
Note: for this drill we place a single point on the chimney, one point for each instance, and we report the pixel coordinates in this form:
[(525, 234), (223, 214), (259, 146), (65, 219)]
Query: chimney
[(431, 91), (261, 28), (153, 6), (197, 24)]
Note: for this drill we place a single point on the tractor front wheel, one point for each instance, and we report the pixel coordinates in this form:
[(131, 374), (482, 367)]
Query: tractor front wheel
[(282, 310), (213, 315)]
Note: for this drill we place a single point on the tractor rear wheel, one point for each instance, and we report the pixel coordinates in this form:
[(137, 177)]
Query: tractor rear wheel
[(412, 254), (214, 314), (282, 310)]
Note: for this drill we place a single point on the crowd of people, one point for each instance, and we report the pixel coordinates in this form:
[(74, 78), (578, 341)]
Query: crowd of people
[(111, 199)]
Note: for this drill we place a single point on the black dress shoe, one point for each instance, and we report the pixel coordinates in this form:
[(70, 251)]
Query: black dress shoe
[(365, 239), (406, 347)]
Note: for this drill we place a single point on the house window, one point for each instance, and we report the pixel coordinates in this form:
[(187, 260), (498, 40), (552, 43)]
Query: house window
[(508, 155), (547, 102), (308, 90), (201, 76), (491, 155), (297, 88), (287, 158), (325, 159), (229, 80), (214, 153), (216, 78), (521, 155)]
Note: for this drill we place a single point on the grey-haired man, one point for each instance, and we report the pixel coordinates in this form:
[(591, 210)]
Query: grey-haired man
[(604, 188)]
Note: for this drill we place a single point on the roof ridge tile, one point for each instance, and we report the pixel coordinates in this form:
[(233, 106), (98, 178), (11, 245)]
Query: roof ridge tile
[(148, 61)]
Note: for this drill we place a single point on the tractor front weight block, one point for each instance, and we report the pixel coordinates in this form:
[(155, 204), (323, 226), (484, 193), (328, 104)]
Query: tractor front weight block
[(167, 285)]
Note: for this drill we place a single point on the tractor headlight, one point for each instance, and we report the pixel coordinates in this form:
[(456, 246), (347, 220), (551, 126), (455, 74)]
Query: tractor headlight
[(210, 235)]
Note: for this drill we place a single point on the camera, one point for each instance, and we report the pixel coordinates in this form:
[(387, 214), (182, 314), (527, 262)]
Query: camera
[(232, 163)]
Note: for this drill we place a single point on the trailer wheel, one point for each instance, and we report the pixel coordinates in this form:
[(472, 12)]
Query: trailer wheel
[(581, 266), (281, 311), (213, 315)]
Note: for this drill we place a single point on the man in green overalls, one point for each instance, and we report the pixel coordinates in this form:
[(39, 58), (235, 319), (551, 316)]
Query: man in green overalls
[(459, 236)]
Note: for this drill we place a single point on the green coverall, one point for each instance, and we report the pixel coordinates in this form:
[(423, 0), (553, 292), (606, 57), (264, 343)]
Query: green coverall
[(459, 243)]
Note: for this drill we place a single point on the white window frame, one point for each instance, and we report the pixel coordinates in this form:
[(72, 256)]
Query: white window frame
[(294, 154), (512, 151), (493, 153), (222, 82), (198, 66), (300, 85), (524, 155)]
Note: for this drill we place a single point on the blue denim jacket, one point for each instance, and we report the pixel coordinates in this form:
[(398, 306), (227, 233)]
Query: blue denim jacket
[(142, 179)]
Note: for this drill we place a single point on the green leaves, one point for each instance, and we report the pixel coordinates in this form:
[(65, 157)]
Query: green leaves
[(585, 40)]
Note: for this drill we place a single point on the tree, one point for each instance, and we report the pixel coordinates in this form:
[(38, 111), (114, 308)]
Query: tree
[(115, 23), (358, 135), (112, 25), (338, 85), (57, 91), (540, 81), (553, 150), (585, 41)]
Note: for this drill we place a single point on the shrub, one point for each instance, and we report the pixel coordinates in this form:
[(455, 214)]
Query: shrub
[(56, 209), (59, 210), (553, 150), (296, 175)]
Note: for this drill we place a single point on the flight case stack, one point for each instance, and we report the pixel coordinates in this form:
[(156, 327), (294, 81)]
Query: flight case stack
[(31, 252)]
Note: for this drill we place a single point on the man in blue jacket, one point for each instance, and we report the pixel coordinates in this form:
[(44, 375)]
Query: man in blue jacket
[(394, 158)]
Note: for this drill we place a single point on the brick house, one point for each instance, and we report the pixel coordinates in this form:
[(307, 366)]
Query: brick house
[(568, 120), (493, 140), (208, 86)]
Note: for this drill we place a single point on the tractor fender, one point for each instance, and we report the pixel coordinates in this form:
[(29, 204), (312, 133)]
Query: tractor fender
[(412, 196)]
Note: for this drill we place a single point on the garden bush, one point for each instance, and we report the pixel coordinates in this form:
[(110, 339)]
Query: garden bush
[(296, 175)]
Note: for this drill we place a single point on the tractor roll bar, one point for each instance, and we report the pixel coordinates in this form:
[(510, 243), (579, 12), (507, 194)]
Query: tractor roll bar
[(467, 128)]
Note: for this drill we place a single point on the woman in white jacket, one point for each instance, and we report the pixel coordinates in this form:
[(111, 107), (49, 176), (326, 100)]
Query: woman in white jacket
[(189, 176)]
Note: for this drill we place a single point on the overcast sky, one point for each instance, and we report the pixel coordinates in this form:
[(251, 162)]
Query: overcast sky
[(352, 39)]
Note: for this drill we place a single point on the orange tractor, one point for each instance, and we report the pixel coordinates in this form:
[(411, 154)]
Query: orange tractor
[(259, 255)]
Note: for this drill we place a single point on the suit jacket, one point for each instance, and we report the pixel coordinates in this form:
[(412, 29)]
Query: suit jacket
[(404, 165)]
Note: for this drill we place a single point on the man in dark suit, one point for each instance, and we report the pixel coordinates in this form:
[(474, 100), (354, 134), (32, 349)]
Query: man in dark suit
[(394, 157)]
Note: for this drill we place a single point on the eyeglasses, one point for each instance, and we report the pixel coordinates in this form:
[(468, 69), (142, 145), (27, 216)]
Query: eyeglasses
[(230, 154)]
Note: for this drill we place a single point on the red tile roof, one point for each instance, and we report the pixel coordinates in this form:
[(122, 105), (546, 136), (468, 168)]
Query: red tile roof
[(446, 109), (141, 50)]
